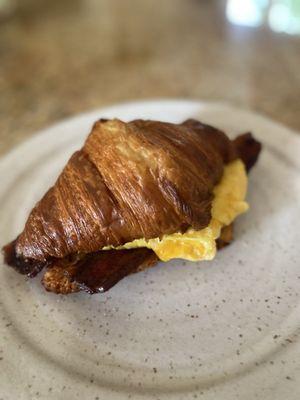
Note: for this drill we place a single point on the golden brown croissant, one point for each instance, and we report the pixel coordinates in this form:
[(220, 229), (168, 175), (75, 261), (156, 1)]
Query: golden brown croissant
[(142, 179)]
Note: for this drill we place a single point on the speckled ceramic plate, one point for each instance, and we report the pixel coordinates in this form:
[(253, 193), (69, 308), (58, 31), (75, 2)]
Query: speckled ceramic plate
[(227, 329)]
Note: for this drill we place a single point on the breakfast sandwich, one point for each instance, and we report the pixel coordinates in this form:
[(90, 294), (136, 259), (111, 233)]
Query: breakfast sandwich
[(134, 194)]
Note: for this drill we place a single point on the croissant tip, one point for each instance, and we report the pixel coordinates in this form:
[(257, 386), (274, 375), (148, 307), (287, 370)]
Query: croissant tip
[(248, 149)]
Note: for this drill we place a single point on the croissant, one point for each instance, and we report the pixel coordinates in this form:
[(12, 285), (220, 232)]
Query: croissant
[(142, 180)]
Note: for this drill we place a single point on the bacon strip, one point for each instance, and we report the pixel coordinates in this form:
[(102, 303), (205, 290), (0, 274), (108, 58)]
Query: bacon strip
[(97, 272)]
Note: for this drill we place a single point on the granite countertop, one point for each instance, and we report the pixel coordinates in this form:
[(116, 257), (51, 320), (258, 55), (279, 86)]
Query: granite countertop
[(60, 58)]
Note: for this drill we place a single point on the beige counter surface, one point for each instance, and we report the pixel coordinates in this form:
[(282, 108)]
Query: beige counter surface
[(61, 58)]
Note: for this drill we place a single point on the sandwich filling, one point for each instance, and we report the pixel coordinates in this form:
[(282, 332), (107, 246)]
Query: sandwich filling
[(228, 203)]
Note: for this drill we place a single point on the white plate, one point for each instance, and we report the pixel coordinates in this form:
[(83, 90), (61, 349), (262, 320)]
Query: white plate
[(212, 330)]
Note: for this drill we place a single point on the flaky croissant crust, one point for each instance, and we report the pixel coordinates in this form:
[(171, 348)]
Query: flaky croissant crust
[(130, 180)]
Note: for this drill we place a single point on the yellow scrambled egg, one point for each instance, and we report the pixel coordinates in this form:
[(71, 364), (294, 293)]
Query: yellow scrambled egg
[(194, 245)]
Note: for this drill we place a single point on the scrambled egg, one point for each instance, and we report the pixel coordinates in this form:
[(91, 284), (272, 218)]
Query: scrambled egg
[(194, 245)]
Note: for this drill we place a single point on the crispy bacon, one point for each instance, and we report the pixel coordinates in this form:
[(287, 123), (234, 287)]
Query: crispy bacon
[(97, 272)]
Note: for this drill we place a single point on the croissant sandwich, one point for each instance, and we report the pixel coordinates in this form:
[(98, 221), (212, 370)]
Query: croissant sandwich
[(136, 193)]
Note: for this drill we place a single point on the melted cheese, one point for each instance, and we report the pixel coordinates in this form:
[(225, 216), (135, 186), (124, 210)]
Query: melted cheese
[(229, 202)]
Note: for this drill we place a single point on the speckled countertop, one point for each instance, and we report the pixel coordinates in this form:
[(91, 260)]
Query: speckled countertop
[(60, 58)]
